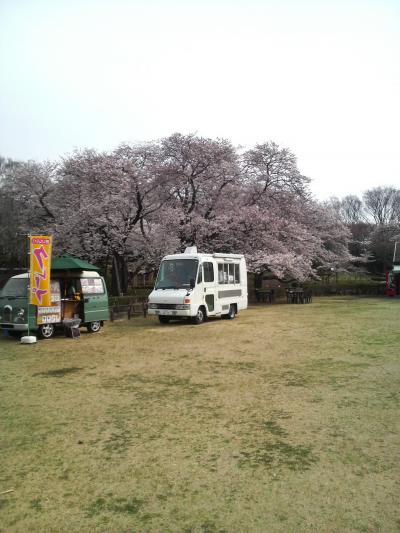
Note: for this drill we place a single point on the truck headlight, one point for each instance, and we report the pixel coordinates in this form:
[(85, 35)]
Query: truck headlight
[(151, 306)]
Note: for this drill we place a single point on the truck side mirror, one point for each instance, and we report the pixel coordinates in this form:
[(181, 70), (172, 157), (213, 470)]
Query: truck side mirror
[(192, 283)]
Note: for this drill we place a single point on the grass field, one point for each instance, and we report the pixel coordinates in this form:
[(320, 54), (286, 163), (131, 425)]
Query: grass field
[(285, 419)]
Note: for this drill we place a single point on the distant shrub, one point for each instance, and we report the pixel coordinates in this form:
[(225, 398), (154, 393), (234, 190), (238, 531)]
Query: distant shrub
[(362, 288)]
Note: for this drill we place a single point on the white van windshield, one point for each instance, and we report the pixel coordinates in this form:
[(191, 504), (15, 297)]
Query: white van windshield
[(177, 273), (15, 288)]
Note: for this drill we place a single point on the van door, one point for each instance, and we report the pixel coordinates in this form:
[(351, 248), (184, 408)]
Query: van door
[(95, 300), (209, 276)]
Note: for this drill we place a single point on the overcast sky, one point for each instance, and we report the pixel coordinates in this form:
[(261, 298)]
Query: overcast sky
[(319, 77)]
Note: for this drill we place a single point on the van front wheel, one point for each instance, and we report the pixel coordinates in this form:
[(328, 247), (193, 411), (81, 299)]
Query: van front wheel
[(94, 327), (46, 331), (200, 317)]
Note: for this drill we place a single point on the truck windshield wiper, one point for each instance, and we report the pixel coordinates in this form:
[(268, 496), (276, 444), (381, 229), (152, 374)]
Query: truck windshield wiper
[(175, 287)]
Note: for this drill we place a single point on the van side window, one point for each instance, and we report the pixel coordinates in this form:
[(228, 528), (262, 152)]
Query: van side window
[(92, 286), (223, 270), (231, 277), (223, 273), (200, 276), (208, 272), (220, 273), (228, 273), (237, 274)]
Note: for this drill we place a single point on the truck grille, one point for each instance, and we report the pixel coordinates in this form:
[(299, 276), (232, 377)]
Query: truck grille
[(166, 306)]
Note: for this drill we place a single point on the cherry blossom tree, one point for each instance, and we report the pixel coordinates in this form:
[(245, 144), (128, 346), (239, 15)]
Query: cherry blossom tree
[(113, 193), (259, 206), (26, 198), (12, 244), (199, 173), (267, 168), (32, 185), (140, 202)]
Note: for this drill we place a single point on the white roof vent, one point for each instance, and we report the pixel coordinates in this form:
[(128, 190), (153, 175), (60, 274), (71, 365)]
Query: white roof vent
[(191, 250)]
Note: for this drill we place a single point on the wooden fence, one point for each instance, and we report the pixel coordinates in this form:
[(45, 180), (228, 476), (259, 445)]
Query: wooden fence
[(129, 310)]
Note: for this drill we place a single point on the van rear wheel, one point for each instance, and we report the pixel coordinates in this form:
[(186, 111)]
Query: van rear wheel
[(46, 331), (94, 327), (232, 312)]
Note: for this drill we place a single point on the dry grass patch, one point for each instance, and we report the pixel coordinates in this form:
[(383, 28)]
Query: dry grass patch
[(286, 419)]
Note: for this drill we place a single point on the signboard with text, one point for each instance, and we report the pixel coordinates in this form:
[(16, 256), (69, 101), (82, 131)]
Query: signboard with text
[(51, 314), (40, 264)]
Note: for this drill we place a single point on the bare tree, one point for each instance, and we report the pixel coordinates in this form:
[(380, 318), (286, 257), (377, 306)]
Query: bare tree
[(383, 239), (350, 209), (383, 204)]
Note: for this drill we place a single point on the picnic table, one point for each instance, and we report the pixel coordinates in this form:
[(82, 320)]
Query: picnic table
[(265, 295), (298, 295)]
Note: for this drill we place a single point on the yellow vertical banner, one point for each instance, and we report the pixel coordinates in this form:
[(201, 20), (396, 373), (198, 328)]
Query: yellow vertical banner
[(40, 265)]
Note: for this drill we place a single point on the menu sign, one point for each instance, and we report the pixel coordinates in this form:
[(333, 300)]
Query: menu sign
[(51, 314), (92, 286)]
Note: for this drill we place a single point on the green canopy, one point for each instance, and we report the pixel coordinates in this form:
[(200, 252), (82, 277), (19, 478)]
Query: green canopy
[(67, 262)]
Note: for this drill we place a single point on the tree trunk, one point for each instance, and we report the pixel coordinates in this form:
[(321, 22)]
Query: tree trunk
[(123, 273), (119, 278), (115, 281)]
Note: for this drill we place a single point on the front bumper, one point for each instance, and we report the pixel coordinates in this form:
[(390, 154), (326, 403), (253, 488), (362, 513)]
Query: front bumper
[(170, 312), (9, 326)]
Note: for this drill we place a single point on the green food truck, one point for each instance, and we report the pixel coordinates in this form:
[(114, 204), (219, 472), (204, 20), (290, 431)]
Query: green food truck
[(78, 296)]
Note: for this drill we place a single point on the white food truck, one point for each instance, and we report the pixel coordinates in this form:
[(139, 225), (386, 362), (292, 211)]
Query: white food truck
[(196, 286)]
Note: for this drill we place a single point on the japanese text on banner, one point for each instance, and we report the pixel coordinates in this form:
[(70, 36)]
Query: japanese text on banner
[(40, 264)]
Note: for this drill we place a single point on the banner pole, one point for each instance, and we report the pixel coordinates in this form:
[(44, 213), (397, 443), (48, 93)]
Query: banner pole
[(29, 277), (27, 339)]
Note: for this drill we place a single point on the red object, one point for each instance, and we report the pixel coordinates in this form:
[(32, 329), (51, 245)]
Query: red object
[(389, 290)]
